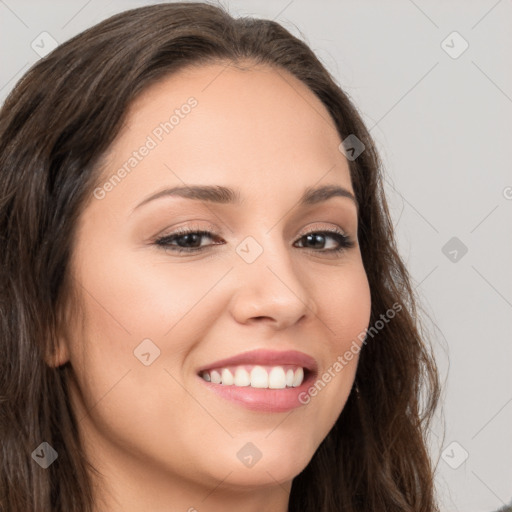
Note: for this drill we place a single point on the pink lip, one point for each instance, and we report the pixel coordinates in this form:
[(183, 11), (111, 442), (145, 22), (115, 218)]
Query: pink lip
[(265, 400), (266, 357)]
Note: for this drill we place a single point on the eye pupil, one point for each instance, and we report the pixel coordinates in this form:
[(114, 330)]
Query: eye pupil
[(316, 237), (188, 239)]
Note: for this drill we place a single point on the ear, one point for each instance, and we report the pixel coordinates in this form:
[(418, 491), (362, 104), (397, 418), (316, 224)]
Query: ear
[(59, 354), (57, 347), (58, 350)]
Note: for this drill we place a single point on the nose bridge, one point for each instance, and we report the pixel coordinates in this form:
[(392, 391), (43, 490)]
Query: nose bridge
[(270, 285)]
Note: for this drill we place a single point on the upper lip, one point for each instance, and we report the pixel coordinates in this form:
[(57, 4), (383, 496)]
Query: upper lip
[(266, 357)]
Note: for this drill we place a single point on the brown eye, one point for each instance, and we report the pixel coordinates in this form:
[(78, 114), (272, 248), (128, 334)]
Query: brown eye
[(316, 240), (185, 240)]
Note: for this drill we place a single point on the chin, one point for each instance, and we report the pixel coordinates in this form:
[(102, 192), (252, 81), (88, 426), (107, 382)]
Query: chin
[(276, 466)]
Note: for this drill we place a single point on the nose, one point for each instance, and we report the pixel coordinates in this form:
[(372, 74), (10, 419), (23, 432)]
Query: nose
[(271, 289)]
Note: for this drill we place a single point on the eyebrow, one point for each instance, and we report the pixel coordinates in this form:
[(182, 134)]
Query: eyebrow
[(225, 195)]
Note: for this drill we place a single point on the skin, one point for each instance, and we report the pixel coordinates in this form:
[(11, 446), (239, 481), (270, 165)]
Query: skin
[(162, 440)]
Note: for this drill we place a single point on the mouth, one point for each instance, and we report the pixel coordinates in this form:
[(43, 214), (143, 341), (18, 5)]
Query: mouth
[(257, 376), (262, 380), (261, 369)]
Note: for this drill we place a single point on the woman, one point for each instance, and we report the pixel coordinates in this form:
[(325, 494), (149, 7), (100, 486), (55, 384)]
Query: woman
[(203, 306)]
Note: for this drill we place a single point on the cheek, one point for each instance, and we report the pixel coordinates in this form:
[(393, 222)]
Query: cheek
[(140, 297), (133, 308), (119, 398), (346, 311)]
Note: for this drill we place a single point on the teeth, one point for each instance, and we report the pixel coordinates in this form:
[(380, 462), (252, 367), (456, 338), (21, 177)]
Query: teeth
[(227, 377), (242, 377), (298, 377), (259, 377), (275, 377)]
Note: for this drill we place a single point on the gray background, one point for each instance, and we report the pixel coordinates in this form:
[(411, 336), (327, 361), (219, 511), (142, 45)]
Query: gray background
[(442, 126)]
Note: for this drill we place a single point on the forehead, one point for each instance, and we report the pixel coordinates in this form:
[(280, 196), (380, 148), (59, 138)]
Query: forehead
[(234, 87), (246, 126)]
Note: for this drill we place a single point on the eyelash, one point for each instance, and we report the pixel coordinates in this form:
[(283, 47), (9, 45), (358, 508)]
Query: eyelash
[(345, 241)]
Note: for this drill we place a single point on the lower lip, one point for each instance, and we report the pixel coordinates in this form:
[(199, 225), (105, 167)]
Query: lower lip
[(264, 399)]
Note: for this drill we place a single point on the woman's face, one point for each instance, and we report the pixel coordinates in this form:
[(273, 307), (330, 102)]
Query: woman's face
[(154, 317)]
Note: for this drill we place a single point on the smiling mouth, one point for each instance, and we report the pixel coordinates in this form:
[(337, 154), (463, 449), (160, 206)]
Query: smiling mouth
[(257, 376), (261, 380)]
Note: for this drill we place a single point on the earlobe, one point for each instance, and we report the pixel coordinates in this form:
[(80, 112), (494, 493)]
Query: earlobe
[(57, 351), (58, 354)]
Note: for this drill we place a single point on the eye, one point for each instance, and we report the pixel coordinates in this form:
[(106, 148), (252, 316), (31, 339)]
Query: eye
[(189, 240), (319, 238)]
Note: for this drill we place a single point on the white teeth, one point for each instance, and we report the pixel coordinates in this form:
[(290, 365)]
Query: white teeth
[(259, 377), (215, 377), (298, 377), (242, 377), (227, 377), (276, 378)]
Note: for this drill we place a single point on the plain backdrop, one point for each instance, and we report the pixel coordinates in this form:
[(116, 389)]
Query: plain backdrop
[(432, 82)]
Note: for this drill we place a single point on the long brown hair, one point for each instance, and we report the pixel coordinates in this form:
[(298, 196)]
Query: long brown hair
[(55, 126)]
